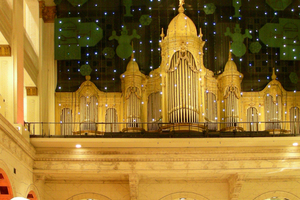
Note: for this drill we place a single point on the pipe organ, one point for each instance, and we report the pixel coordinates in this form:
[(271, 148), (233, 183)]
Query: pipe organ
[(252, 117), (111, 119), (154, 111), (295, 120), (66, 117), (273, 112), (182, 80), (231, 106), (180, 94), (211, 114), (133, 99), (88, 112)]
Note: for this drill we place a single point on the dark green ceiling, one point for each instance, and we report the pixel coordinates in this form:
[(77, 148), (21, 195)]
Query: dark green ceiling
[(109, 15)]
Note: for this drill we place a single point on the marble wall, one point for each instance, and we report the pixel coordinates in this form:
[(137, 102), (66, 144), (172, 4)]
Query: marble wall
[(16, 160), (77, 190)]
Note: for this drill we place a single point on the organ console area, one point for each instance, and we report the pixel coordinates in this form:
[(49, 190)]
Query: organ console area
[(181, 94)]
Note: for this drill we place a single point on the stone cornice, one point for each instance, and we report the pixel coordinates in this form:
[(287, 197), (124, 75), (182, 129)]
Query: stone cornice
[(169, 159), (177, 151)]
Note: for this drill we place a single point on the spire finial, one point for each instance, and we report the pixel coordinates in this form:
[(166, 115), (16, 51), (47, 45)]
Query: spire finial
[(181, 9), (273, 74), (162, 35), (181, 2), (200, 33), (229, 56), (132, 55)]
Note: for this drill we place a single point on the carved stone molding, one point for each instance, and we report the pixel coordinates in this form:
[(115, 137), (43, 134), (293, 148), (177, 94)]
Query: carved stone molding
[(163, 152), (103, 164), (235, 185), (38, 178), (48, 13), (134, 186), (5, 50), (257, 159)]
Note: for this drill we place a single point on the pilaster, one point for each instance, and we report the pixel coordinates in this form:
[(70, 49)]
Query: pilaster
[(47, 66), (235, 185), (18, 60), (134, 186)]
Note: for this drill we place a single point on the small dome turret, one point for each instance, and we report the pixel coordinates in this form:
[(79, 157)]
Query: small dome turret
[(230, 64), (181, 25), (132, 66)]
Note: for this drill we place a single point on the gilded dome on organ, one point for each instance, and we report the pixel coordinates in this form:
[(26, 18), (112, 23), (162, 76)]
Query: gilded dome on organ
[(181, 25), (230, 64), (132, 66)]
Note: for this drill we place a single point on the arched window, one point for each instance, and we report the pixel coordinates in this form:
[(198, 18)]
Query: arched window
[(5, 187), (31, 196), (211, 110), (295, 120), (89, 195), (182, 97), (273, 112), (154, 111), (111, 117), (66, 119), (252, 119)]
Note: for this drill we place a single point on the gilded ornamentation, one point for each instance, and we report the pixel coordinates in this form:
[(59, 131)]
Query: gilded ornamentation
[(133, 90), (5, 50), (181, 2), (49, 13), (32, 91), (233, 89)]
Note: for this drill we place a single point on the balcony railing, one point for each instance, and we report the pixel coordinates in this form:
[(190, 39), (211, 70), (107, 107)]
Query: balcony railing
[(158, 129)]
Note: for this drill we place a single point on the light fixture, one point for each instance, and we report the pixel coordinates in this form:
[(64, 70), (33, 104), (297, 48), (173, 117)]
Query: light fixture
[(295, 144), (78, 145)]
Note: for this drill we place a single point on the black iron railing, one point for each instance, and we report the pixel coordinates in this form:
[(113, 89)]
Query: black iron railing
[(159, 129)]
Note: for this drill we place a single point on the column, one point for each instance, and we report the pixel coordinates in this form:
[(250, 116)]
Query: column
[(18, 61), (47, 79)]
